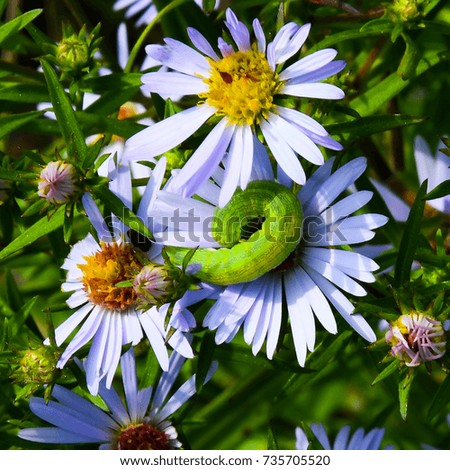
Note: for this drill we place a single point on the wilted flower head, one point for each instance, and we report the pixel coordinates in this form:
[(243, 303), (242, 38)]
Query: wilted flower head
[(57, 182), (416, 338)]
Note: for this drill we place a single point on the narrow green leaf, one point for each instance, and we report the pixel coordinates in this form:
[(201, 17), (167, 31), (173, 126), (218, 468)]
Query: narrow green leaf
[(272, 443), (13, 122), (350, 34), (205, 358), (410, 59), (3, 4), (440, 399), (440, 190), (404, 387), (14, 175), (15, 25), (363, 127), (386, 372), (96, 123), (410, 238), (39, 229), (24, 93), (13, 294), (376, 96), (117, 207), (65, 115)]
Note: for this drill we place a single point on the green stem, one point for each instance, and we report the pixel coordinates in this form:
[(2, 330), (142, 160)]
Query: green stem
[(146, 32)]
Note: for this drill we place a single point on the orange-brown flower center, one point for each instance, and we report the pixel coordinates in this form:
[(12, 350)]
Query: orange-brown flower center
[(104, 270)]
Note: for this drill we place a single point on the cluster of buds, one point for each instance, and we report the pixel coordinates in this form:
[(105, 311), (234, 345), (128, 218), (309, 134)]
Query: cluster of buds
[(416, 338), (405, 11)]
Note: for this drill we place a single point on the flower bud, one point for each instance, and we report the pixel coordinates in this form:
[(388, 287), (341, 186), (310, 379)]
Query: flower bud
[(158, 284), (57, 182)]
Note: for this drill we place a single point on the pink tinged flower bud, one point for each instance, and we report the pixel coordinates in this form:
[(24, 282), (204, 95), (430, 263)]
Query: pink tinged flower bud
[(154, 285), (416, 338), (57, 182)]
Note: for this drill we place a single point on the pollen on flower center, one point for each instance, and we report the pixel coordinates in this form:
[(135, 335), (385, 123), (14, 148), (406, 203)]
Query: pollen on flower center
[(241, 87), (142, 437), (104, 270)]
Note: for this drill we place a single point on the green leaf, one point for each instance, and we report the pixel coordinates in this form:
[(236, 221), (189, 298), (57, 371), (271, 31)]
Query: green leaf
[(386, 372), (96, 123), (440, 190), (39, 229), (17, 24), (440, 399), (13, 175), (410, 238), (205, 358), (117, 207), (13, 122), (23, 93), (272, 443), (363, 127), (376, 96), (350, 34), (65, 115), (404, 387), (410, 59)]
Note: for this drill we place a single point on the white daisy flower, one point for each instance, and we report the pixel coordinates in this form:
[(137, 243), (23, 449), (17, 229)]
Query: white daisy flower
[(138, 424), (111, 315), (310, 280), (239, 87)]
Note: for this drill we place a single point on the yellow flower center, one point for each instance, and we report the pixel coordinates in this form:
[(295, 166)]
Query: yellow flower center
[(241, 87), (107, 268)]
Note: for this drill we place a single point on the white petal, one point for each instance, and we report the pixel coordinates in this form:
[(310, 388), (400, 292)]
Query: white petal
[(343, 306), (301, 120), (169, 83), (180, 57), (155, 337), (202, 44), (239, 32), (203, 161), (323, 91), (317, 300), (296, 139), (396, 206), (63, 331), (333, 274), (166, 134), (308, 64), (284, 155)]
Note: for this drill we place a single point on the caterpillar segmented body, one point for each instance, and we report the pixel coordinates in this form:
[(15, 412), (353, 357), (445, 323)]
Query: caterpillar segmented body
[(277, 215)]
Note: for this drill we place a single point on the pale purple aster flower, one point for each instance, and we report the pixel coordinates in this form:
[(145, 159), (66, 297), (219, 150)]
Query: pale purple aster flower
[(141, 423), (311, 279), (416, 338), (58, 182), (239, 88), (434, 168), (358, 441), (112, 316), (145, 10)]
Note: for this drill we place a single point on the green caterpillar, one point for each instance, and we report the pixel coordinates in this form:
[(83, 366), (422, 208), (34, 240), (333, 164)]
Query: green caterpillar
[(278, 215)]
